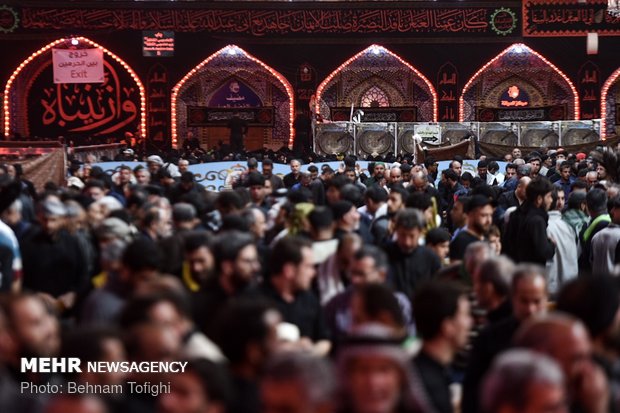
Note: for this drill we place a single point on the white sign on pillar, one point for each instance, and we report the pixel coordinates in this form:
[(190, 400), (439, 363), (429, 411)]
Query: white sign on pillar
[(78, 66), (429, 132)]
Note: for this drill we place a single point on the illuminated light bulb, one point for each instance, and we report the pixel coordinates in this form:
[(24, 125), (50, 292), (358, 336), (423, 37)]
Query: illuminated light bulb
[(75, 42)]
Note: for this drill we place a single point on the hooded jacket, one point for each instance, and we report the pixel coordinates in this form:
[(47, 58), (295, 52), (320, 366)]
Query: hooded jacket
[(525, 236)]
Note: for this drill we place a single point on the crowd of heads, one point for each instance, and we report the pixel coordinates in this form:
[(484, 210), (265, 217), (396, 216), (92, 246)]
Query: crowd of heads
[(395, 288)]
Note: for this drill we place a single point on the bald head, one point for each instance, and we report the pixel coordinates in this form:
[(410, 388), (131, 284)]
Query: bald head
[(524, 181), (560, 336), (419, 180), (522, 186), (396, 175)]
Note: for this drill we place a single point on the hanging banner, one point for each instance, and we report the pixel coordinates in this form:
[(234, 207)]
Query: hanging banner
[(560, 18), (157, 43), (556, 112), (448, 91), (394, 114), (210, 116), (78, 66), (305, 86), (449, 20), (158, 96), (589, 91)]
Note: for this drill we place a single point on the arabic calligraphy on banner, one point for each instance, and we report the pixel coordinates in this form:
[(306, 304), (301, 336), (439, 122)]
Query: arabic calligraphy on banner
[(589, 90), (83, 109), (235, 93), (305, 86), (262, 22), (210, 116), (429, 132), (556, 112), (549, 18), (78, 65), (447, 90), (395, 114), (514, 97), (157, 43), (158, 106)]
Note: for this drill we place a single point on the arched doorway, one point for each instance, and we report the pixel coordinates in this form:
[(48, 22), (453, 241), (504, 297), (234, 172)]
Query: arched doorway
[(378, 78), (386, 92), (35, 106), (231, 80), (519, 85)]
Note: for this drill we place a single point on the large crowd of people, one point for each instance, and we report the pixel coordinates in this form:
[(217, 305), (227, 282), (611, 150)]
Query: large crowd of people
[(397, 289)]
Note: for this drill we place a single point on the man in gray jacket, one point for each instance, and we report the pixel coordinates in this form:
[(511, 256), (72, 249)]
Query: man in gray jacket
[(604, 243), (563, 266)]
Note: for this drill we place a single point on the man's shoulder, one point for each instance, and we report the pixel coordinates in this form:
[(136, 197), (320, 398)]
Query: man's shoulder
[(463, 236), (427, 256), (339, 301), (558, 223), (606, 232), (421, 250), (506, 194), (499, 331)]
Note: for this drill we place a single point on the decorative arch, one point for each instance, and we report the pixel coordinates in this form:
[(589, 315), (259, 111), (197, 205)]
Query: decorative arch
[(519, 60), (225, 64), (10, 98), (377, 61), (375, 96), (357, 90), (610, 99)]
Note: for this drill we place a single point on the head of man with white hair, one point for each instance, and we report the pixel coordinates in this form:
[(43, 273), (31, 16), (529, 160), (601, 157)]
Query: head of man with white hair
[(526, 382)]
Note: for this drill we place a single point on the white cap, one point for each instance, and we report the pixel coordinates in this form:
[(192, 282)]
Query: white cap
[(156, 159), (76, 182)]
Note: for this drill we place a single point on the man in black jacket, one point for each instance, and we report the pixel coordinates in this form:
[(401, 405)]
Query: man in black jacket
[(528, 298), (514, 198), (442, 317), (525, 236), (54, 263), (410, 263)]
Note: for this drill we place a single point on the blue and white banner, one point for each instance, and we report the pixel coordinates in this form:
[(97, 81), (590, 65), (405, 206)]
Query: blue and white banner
[(215, 176)]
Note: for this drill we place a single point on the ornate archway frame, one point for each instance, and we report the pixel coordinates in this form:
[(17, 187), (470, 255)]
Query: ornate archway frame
[(7, 89), (609, 83), (230, 49), (375, 49), (479, 72)]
